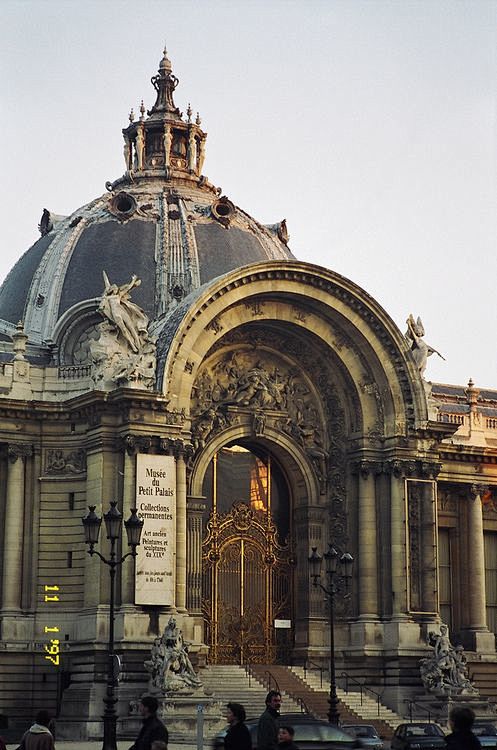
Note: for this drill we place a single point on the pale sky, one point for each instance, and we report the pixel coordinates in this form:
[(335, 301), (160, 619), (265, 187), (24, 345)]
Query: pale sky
[(369, 125)]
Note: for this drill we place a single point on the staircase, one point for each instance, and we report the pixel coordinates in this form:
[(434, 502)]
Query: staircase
[(299, 692), (363, 705), (484, 677), (231, 682)]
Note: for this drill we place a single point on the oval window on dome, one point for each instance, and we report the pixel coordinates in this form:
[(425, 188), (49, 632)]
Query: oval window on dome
[(223, 210), (122, 205)]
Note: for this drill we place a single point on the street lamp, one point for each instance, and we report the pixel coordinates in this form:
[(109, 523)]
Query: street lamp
[(113, 524), (332, 563)]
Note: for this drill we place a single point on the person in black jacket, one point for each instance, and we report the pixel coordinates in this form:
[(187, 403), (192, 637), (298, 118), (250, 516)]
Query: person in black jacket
[(237, 736), (461, 719), (267, 730), (152, 728)]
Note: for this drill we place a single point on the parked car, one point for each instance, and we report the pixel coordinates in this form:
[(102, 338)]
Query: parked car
[(418, 736), (486, 733), (310, 734), (366, 734)]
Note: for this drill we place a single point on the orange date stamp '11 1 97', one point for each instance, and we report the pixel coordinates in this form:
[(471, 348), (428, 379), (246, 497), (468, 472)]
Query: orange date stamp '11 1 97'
[(52, 648)]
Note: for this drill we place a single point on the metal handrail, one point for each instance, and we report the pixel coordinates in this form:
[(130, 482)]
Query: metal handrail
[(248, 673), (362, 687), (272, 682), (313, 665), (419, 707)]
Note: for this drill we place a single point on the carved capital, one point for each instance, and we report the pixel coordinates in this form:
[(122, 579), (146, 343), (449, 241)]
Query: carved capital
[(399, 468), (477, 491), (19, 450), (129, 445), (430, 469), (364, 468), (134, 444), (178, 449)]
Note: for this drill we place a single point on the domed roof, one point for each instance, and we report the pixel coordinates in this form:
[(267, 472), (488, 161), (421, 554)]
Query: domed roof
[(162, 221)]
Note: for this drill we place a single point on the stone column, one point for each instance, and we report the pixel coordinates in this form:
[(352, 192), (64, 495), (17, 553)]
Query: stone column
[(195, 511), (180, 529), (14, 526), (398, 541), (477, 616), (367, 538)]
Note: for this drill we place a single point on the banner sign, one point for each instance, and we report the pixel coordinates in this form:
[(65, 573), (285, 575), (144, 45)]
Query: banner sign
[(156, 504)]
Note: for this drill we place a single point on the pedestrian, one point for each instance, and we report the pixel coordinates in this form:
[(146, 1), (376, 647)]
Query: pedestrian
[(461, 719), (267, 730), (285, 738), (152, 728), (38, 736), (238, 736)]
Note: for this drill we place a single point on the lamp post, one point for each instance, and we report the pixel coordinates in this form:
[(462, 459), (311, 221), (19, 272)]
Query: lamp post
[(113, 525), (332, 561)]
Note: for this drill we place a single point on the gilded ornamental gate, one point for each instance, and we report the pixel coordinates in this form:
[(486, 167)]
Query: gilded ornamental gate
[(246, 570)]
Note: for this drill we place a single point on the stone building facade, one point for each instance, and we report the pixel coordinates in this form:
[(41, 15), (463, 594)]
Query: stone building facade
[(161, 320)]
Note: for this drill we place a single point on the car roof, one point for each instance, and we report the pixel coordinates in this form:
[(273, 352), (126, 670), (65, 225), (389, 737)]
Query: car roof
[(299, 718), (359, 724)]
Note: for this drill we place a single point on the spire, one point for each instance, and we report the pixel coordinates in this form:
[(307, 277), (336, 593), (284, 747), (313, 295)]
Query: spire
[(165, 83)]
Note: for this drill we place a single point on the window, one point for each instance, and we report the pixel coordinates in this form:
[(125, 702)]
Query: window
[(445, 576), (490, 541)]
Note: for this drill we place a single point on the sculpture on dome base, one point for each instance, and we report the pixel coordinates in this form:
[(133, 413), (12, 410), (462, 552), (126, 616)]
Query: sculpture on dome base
[(124, 354), (169, 666), (446, 670)]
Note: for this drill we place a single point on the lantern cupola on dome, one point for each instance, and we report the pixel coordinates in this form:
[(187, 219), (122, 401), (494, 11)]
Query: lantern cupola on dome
[(164, 144)]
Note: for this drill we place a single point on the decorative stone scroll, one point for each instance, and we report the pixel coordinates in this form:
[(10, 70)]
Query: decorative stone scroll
[(445, 671)]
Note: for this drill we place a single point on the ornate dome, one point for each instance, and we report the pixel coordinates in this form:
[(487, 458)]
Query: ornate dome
[(162, 221)]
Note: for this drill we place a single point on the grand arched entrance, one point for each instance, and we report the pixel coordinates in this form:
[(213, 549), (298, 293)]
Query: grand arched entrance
[(247, 570)]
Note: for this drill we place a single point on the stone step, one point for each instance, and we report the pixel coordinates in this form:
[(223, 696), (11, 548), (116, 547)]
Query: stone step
[(232, 683), (366, 707)]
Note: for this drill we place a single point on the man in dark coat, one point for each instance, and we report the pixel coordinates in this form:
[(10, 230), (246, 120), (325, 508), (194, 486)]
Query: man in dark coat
[(38, 736), (152, 728), (267, 730), (461, 720)]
